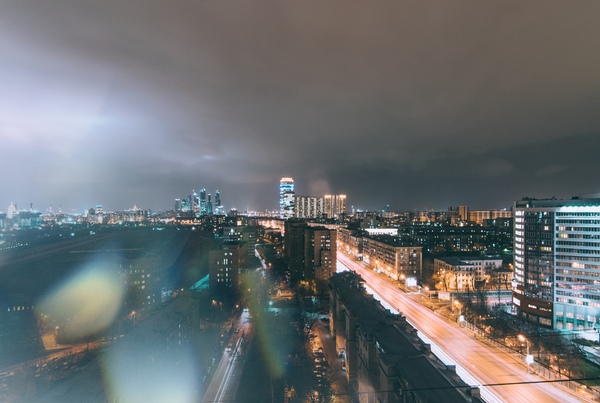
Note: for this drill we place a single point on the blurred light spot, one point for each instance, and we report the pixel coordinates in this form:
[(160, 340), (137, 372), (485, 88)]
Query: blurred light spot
[(138, 369), (87, 303)]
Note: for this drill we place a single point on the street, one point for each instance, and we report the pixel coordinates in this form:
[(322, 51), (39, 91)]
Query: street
[(477, 363), (224, 384)]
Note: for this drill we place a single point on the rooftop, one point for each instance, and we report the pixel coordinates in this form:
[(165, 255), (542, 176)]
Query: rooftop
[(398, 347)]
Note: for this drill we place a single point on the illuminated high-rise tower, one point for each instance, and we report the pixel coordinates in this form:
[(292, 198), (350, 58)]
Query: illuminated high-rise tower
[(335, 206), (286, 198), (218, 206), (195, 202), (203, 210)]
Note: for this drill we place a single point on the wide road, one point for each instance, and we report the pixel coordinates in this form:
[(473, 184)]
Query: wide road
[(224, 384), (477, 363)]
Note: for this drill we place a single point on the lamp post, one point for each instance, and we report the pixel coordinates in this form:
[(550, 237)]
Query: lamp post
[(459, 306), (528, 357)]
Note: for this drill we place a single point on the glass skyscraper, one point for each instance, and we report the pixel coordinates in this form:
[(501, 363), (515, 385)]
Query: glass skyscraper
[(286, 198)]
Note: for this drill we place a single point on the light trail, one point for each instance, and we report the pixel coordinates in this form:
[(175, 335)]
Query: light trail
[(467, 377), (225, 381), (476, 363)]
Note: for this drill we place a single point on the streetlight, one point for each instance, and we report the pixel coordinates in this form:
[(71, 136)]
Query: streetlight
[(528, 357), (460, 317)]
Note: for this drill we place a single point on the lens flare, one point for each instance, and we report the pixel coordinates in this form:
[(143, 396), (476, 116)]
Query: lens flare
[(136, 371), (86, 303)]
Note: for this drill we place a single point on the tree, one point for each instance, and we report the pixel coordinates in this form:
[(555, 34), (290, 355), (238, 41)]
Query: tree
[(480, 295), (303, 322), (319, 396)]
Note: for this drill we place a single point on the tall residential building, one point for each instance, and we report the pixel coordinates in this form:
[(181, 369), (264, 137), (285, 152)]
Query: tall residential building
[(557, 262), (245, 234), (226, 264), (312, 252), (308, 207), (463, 213), (286, 198), (335, 206), (144, 276)]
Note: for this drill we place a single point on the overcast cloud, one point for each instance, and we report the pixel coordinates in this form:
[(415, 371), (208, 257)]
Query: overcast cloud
[(407, 104)]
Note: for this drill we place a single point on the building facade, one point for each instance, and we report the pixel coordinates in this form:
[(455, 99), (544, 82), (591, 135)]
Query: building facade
[(351, 242), (308, 207), (479, 216), (226, 264), (312, 252), (286, 198), (557, 262), (335, 206), (144, 280), (462, 274), (393, 258)]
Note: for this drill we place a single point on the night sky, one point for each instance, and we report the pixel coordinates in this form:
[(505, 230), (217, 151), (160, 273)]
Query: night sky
[(402, 103)]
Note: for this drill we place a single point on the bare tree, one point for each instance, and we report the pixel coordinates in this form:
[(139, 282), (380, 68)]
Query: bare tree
[(303, 322)]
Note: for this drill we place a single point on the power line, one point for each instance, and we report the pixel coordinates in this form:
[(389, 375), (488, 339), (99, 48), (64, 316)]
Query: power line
[(441, 388)]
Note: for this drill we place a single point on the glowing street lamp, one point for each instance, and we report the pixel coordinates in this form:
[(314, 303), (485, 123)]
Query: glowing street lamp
[(429, 294), (528, 357), (460, 317)]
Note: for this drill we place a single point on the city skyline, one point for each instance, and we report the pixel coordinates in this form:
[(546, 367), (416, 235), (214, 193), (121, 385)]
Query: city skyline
[(31, 206), (402, 105)]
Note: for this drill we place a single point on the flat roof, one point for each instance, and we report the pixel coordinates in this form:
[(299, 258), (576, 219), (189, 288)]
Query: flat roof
[(389, 332)]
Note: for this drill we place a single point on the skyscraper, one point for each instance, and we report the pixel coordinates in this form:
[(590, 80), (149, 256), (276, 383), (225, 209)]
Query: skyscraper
[(185, 204), (286, 198), (218, 206), (195, 202), (557, 261), (203, 210)]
